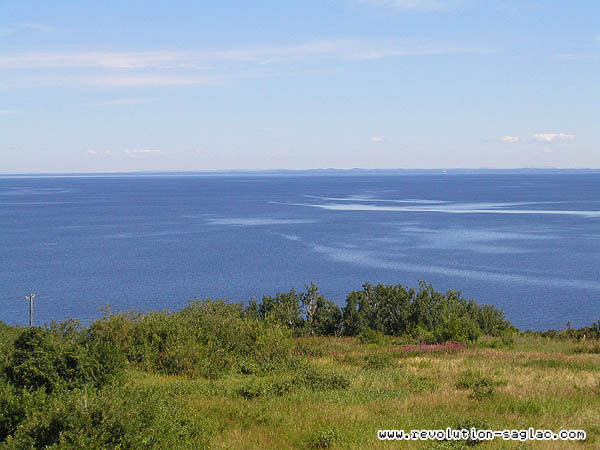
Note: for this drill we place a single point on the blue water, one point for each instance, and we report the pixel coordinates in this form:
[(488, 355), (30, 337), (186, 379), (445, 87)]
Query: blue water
[(529, 244)]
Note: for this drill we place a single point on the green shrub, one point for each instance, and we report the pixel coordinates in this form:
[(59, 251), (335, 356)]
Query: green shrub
[(112, 418), (61, 357), (263, 388), (379, 361), (321, 381), (483, 390), (306, 379), (370, 336), (206, 339), (480, 386), (419, 383), (470, 378), (324, 438)]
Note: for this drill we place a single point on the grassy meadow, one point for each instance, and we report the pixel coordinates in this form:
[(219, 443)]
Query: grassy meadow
[(531, 382)]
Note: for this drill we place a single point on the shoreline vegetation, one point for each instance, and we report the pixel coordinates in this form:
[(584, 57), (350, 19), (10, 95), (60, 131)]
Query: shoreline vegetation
[(296, 371)]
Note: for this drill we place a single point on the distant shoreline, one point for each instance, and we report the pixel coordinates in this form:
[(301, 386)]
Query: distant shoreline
[(309, 172)]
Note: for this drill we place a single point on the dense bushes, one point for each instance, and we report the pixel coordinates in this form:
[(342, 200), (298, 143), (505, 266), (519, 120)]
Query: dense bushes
[(591, 332), (59, 386), (208, 338), (63, 356), (307, 313), (96, 419), (212, 337), (424, 315)]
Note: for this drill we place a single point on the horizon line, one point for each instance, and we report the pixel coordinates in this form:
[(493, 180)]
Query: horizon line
[(443, 170)]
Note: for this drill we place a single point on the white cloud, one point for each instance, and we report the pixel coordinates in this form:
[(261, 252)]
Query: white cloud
[(376, 139), (551, 137), (9, 111), (428, 5), (510, 139), (92, 152), (124, 101)]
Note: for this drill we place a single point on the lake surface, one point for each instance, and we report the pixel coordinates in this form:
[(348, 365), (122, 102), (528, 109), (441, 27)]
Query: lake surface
[(529, 244)]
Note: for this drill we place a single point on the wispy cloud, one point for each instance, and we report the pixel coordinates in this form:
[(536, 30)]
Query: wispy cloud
[(99, 152), (25, 28), (402, 5), (510, 139), (552, 137), (9, 111), (124, 69), (167, 59), (376, 139), (134, 153), (162, 59), (39, 27), (124, 101)]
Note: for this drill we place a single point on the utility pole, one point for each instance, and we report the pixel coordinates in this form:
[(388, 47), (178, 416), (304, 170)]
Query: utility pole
[(30, 297)]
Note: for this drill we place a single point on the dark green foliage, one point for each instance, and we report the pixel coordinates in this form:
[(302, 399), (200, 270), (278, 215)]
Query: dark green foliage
[(63, 356), (283, 309), (14, 407), (370, 336), (323, 317), (112, 418), (303, 313), (424, 315), (429, 316)]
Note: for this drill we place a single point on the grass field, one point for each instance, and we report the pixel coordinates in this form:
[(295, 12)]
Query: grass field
[(342, 391)]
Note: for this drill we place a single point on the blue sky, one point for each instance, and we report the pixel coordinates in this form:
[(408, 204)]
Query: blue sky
[(92, 86)]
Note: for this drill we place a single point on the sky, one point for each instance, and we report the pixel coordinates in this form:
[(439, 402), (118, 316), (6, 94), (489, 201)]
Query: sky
[(89, 86)]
